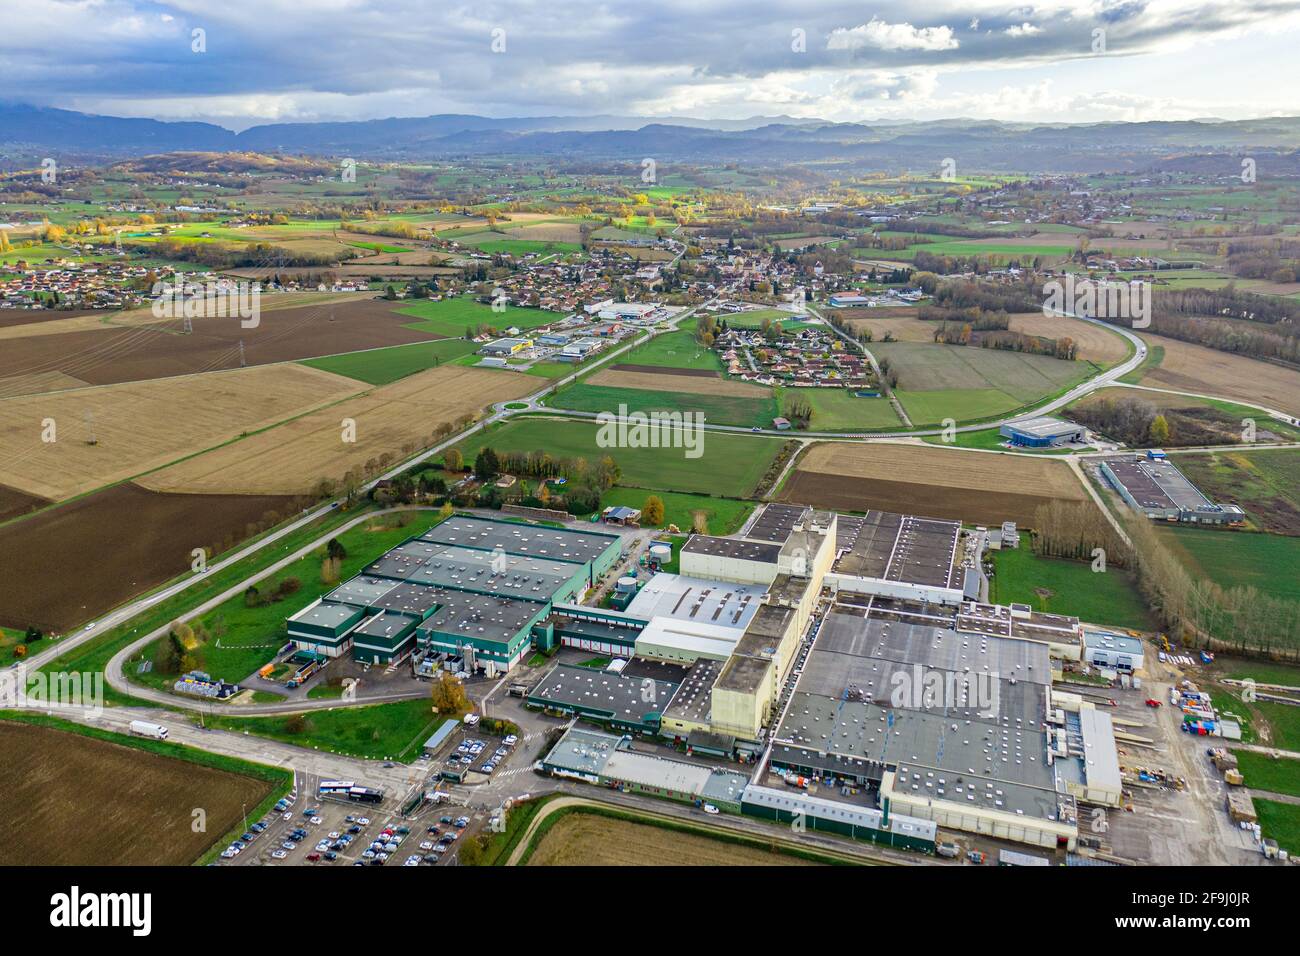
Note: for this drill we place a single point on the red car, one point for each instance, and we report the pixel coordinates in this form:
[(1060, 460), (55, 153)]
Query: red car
[(313, 857), (1152, 702)]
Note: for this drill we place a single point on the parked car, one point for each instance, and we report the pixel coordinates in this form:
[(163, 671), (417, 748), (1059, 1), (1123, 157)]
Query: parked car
[(1152, 702), (278, 855)]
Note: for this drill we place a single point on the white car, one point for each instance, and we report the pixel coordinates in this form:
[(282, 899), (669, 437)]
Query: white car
[(363, 822), (334, 834), (710, 808), (426, 846), (279, 855), (411, 861)]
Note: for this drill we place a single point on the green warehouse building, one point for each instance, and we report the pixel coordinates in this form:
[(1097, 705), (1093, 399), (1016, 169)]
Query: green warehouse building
[(470, 587)]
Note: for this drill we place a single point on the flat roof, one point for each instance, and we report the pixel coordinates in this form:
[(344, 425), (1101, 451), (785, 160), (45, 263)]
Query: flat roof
[(697, 599), (1100, 754), (326, 614), (361, 591), (424, 562), (743, 674), (765, 552), (776, 521), (619, 697), (693, 699), (1113, 642), (1045, 427), (487, 617), (944, 757), (1159, 484), (686, 637), (555, 544), (904, 548)]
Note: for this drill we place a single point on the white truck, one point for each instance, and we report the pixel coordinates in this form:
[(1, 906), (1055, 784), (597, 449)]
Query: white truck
[(142, 728)]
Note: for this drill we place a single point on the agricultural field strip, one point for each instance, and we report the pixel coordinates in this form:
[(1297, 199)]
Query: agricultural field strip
[(114, 432)]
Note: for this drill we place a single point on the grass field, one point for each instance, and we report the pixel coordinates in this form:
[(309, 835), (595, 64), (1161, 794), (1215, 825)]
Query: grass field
[(1276, 775), (1268, 562), (967, 383), (1057, 586), (451, 317), (989, 439), (142, 793), (674, 350), (838, 409), (1266, 483), (244, 638), (729, 464), (724, 515), (381, 366), (1281, 822), (716, 409), (393, 731)]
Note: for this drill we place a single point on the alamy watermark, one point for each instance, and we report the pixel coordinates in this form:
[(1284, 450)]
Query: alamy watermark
[(21, 688), (1093, 299), (210, 299), (927, 688), (684, 430)]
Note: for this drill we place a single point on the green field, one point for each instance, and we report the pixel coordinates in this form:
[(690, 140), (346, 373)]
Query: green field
[(838, 409), (450, 317), (244, 638), (1268, 562), (673, 350), (1280, 822), (724, 515), (990, 439), (1266, 483), (381, 366), (1067, 587), (393, 731), (1276, 775), (729, 464), (716, 409), (967, 383)]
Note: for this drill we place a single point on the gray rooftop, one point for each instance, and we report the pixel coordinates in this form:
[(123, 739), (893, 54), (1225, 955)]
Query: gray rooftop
[(622, 698), (697, 599), (555, 544), (765, 552)]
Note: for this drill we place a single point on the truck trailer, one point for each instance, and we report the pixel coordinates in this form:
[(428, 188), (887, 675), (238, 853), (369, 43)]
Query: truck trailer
[(142, 728)]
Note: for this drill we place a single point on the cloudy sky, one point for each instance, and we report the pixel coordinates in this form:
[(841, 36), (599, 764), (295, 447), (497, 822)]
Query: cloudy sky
[(289, 60)]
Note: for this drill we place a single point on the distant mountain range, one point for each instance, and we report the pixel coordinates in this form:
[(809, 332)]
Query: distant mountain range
[(918, 145)]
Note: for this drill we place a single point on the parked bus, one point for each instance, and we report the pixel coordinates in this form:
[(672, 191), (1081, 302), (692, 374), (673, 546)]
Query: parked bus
[(365, 795), (335, 786)]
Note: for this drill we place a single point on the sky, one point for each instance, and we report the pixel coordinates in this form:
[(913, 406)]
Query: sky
[(243, 62)]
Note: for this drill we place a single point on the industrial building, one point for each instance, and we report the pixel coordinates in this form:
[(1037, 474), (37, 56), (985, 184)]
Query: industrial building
[(841, 651), (470, 587), (1114, 651), (1151, 485), (1043, 432)]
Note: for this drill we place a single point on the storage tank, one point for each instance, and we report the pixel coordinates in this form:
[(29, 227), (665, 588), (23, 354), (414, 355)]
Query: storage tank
[(626, 584), (661, 552)]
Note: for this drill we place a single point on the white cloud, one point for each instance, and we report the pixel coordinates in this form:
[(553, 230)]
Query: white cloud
[(892, 36), (1023, 30)]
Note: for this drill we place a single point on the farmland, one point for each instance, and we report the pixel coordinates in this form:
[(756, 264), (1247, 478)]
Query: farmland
[(939, 483), (142, 795), (71, 563), (967, 383), (1268, 562), (1266, 483), (106, 434), (723, 515), (450, 318), (390, 419), (1203, 371), (586, 839), (758, 408), (98, 350), (381, 366), (730, 464)]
